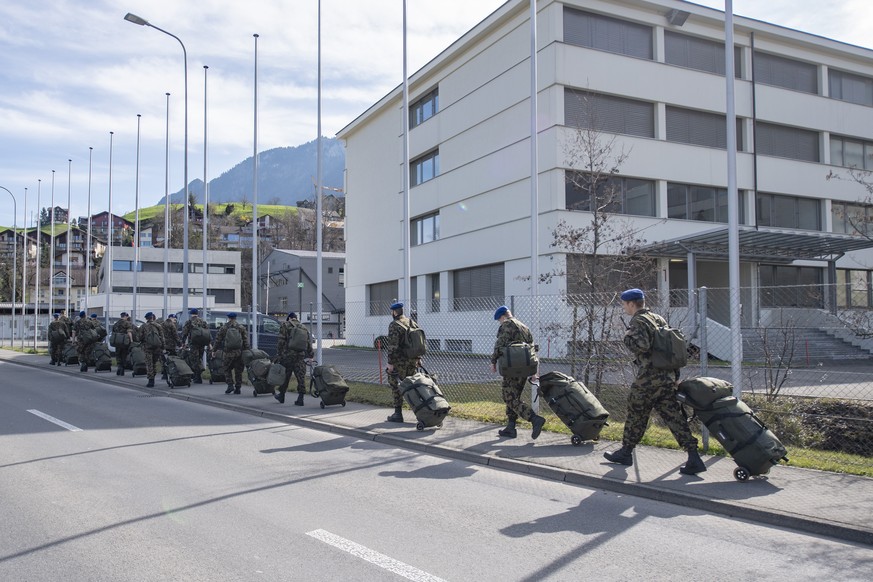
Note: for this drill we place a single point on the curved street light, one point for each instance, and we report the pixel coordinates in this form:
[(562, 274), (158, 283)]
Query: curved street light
[(14, 261), (143, 22)]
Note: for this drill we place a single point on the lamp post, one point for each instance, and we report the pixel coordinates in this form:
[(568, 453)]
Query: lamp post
[(255, 212), (51, 261), (38, 261), (107, 256), (136, 240), (14, 261), (143, 22), (69, 232), (205, 220), (24, 275), (167, 209), (88, 236)]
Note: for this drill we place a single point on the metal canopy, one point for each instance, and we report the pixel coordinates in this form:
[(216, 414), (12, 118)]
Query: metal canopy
[(761, 244)]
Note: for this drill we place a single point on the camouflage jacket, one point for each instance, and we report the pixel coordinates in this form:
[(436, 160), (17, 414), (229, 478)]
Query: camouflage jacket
[(82, 323), (285, 334), (171, 333), (193, 321), (219, 337), (638, 339), (68, 323), (58, 324), (142, 334), (396, 347), (125, 326), (510, 331)]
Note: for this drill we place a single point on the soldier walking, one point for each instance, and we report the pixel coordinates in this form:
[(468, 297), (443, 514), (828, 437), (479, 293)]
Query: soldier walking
[(152, 337), (512, 331), (233, 339), (57, 336), (122, 338), (652, 388), (170, 329), (196, 362), (292, 358), (84, 338), (399, 364)]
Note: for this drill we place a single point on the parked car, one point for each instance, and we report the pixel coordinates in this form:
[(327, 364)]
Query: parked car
[(268, 327)]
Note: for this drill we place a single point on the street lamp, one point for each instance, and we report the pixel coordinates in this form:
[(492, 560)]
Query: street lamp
[(107, 256), (167, 208), (255, 233), (51, 261), (205, 220), (24, 275), (14, 261), (143, 22)]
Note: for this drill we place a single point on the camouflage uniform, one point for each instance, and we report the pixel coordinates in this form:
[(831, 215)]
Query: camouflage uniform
[(83, 349), (56, 349), (396, 348), (153, 354), (123, 326), (196, 362), (171, 335), (232, 358), (294, 362), (652, 388), (511, 331), (67, 322)]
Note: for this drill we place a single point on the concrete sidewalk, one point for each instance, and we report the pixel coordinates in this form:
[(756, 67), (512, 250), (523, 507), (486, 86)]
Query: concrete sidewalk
[(831, 504)]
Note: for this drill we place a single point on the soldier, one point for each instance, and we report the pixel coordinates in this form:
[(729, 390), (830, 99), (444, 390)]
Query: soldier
[(399, 365), (233, 339), (83, 342), (123, 328), (651, 389), (67, 322), (171, 334), (293, 359), (152, 337), (57, 336), (196, 350), (510, 331)]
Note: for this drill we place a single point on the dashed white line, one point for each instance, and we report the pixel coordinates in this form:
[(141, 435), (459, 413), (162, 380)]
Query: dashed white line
[(54, 420), (374, 557)]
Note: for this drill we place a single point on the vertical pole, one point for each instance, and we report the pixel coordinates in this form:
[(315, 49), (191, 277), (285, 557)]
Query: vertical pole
[(534, 190), (24, 275), (136, 240), (69, 234), (407, 260), (52, 255), (255, 233), (107, 256), (38, 261), (318, 204), (205, 221), (88, 235), (167, 210)]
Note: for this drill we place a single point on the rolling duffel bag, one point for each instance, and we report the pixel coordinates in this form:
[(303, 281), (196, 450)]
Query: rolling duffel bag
[(100, 357), (575, 405), (178, 371), (257, 370), (327, 383), (70, 355), (425, 398), (754, 447), (136, 360), (215, 362)]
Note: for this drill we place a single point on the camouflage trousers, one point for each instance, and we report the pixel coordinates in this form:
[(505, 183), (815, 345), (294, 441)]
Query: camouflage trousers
[(402, 369), (121, 355), (152, 359), (655, 392), (56, 351), (516, 408), (295, 365), (83, 350), (233, 363), (196, 359)]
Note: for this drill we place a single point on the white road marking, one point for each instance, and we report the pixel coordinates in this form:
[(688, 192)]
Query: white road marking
[(373, 557), (56, 421)]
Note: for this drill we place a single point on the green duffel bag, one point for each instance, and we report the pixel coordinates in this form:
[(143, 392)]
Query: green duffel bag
[(518, 360), (87, 335), (575, 405), (249, 355), (259, 368), (276, 374), (119, 339), (200, 336), (701, 393)]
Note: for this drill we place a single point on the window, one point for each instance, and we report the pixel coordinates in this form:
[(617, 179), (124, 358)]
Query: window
[(459, 345), (607, 113), (433, 291), (788, 211), (854, 288), (700, 128), (851, 153), (609, 34), (283, 303), (852, 218), (705, 203), (478, 288), (784, 72), (849, 87), (220, 269), (126, 266), (223, 295), (698, 53), (788, 286), (614, 194), (381, 295), (425, 168), (424, 229), (424, 108), (787, 142)]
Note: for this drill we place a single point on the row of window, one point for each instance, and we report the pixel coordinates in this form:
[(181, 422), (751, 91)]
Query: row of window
[(158, 267), (637, 40), (221, 295)]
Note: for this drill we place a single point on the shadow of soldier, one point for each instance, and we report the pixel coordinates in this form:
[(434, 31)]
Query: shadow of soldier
[(448, 470)]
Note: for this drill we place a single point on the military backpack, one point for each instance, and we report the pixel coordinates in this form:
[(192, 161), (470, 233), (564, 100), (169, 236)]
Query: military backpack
[(152, 336), (414, 341), (669, 346), (232, 339), (298, 338), (200, 336)]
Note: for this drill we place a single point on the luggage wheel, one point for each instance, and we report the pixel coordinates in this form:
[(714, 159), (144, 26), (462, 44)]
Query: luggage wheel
[(419, 426), (742, 474), (255, 392), (576, 440), (322, 404)]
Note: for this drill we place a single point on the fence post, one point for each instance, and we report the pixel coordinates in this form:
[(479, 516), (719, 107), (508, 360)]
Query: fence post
[(704, 353)]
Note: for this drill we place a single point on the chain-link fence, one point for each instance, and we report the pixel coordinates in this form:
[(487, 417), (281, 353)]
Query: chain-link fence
[(806, 367)]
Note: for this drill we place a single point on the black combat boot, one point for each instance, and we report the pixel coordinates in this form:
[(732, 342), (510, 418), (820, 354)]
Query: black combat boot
[(299, 401), (120, 371), (509, 432), (693, 465), (151, 383), (538, 422), (623, 456), (229, 389), (397, 416), (198, 379), (52, 363), (238, 389), (83, 368), (280, 396)]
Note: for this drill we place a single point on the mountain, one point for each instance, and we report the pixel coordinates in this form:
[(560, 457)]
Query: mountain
[(285, 176)]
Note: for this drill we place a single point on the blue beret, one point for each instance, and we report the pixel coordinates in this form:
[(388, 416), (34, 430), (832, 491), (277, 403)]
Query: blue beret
[(292, 315), (398, 305), (149, 315), (173, 315), (57, 315), (193, 311), (93, 316), (81, 314), (231, 315), (633, 295), (500, 312), (124, 314)]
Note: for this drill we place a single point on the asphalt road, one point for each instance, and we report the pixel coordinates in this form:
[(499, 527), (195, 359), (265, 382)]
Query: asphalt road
[(103, 483)]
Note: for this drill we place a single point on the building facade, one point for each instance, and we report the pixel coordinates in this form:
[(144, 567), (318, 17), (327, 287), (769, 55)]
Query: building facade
[(648, 77)]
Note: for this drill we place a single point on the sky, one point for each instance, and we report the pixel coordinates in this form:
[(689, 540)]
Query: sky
[(72, 71)]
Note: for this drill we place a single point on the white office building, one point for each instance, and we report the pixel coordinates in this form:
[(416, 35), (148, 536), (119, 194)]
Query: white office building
[(650, 75)]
